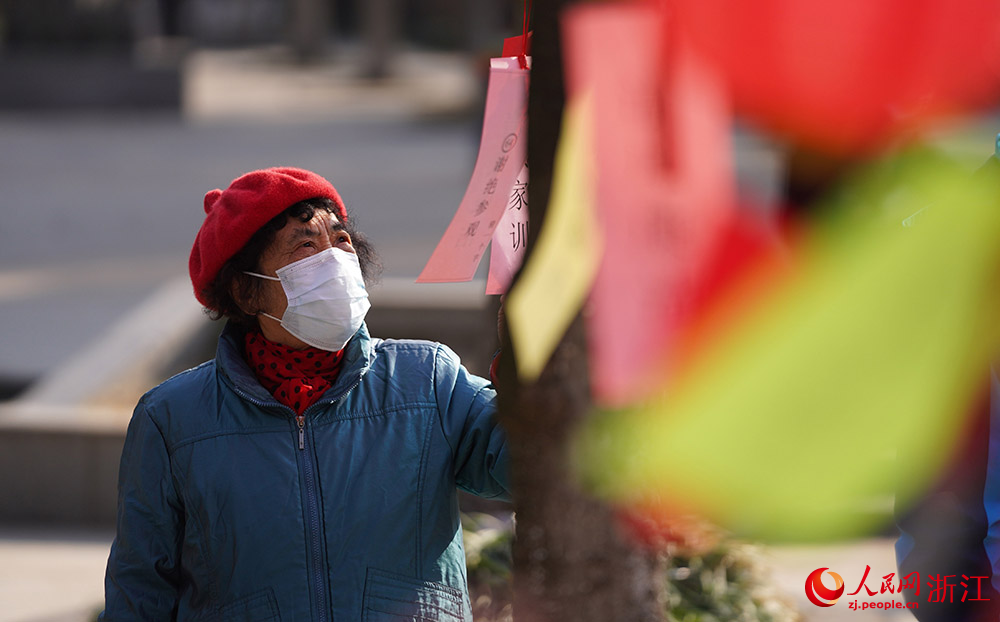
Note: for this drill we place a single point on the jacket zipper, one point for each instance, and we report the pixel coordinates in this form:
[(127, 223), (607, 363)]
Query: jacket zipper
[(312, 505), (315, 529), (315, 532)]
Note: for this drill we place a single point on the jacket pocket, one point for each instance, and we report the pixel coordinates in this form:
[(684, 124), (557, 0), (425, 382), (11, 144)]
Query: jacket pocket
[(395, 598), (256, 607)]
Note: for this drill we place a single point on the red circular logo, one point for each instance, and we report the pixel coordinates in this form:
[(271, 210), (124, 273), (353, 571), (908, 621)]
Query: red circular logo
[(819, 594)]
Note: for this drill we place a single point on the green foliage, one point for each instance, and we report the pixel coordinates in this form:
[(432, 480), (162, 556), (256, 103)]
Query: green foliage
[(488, 559), (727, 583)]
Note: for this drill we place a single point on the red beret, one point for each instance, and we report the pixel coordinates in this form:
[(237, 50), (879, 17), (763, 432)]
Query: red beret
[(239, 211)]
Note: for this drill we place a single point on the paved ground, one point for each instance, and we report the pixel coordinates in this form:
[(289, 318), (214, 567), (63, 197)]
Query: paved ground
[(51, 576), (99, 212)]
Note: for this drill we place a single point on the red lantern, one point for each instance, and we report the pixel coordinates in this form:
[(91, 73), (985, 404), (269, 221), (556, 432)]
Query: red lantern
[(848, 75)]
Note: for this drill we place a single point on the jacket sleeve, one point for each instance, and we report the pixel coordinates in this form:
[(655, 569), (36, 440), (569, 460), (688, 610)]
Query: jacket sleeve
[(467, 406), (942, 533), (141, 582), (992, 488)]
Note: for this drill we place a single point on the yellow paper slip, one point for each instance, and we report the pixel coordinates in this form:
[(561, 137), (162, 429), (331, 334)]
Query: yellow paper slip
[(561, 269)]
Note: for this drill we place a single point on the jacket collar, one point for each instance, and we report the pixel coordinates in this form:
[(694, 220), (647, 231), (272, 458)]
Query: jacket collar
[(231, 362)]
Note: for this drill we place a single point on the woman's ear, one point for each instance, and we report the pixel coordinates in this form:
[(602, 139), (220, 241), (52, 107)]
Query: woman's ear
[(239, 290)]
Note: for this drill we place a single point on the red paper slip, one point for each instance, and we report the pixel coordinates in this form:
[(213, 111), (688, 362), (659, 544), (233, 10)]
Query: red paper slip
[(501, 157), (664, 186), (510, 238)]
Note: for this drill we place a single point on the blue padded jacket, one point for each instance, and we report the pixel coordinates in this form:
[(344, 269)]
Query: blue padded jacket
[(227, 510)]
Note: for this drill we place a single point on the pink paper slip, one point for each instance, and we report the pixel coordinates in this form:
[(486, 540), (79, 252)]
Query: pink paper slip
[(501, 157), (510, 238), (664, 185)]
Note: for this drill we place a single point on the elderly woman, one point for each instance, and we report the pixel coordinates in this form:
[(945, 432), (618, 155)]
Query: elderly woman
[(309, 471)]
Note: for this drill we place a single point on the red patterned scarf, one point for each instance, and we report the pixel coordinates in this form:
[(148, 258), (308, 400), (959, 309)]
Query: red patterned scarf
[(296, 378)]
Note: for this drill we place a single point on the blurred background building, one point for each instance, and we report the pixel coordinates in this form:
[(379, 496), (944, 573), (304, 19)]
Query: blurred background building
[(131, 53)]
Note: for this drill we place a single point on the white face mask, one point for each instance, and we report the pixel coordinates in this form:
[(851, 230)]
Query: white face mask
[(327, 300)]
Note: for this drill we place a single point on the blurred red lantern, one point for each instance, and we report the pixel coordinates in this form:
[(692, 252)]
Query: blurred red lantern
[(848, 75)]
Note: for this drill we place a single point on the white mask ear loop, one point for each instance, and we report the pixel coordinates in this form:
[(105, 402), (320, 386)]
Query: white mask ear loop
[(263, 276), (269, 278)]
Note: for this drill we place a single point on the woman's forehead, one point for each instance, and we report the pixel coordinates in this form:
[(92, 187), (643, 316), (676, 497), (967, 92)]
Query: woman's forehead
[(321, 223), (321, 220)]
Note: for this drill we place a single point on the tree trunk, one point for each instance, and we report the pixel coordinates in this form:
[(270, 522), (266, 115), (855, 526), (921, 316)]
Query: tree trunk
[(571, 559)]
